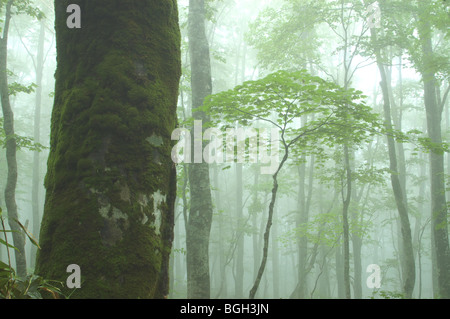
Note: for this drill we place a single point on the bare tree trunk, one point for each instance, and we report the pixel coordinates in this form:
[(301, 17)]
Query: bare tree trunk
[(406, 252), (239, 280), (346, 233), (302, 240), (268, 226), (11, 147), (255, 239), (438, 200), (223, 290), (35, 188), (275, 261)]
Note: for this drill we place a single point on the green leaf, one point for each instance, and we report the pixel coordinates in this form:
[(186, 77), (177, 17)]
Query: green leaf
[(8, 244), (4, 266)]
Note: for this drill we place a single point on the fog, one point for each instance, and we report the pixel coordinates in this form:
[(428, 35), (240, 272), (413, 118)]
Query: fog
[(348, 210)]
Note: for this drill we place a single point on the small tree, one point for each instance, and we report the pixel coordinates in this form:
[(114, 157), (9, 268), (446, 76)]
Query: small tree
[(10, 8), (337, 116)]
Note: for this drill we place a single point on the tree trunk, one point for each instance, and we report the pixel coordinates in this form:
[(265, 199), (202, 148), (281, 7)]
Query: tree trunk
[(346, 233), (302, 240), (275, 261), (35, 188), (357, 260), (111, 183), (255, 235), (239, 280), (11, 159), (200, 215), (407, 262), (273, 198), (339, 260), (223, 289), (438, 199)]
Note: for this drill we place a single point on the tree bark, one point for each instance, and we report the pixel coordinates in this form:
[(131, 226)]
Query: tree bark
[(434, 116), (275, 260), (407, 254), (345, 223), (357, 259), (239, 280), (111, 183), (200, 215), (262, 266), (35, 187), (303, 205)]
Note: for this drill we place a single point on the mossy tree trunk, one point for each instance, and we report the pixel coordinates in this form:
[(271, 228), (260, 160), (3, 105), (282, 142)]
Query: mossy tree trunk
[(111, 181), (11, 148), (200, 214)]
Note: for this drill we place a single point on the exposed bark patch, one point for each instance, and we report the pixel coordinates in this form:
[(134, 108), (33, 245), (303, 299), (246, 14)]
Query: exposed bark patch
[(158, 199)]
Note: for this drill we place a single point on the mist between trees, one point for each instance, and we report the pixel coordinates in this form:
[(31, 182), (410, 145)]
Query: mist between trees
[(224, 149)]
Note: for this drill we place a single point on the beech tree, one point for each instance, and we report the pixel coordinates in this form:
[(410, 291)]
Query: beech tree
[(11, 140), (200, 214), (110, 181), (430, 60)]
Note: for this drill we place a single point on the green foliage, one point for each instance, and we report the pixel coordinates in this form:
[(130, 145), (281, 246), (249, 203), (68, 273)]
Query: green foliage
[(31, 287), (24, 7), (285, 38), (384, 294), (179, 251), (335, 115), (404, 20), (16, 87), (22, 142)]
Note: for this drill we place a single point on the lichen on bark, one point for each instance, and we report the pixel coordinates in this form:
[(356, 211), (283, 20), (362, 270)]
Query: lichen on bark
[(116, 86)]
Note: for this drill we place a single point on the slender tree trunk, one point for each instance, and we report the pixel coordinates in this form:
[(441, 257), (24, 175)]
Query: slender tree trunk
[(438, 200), (447, 122), (406, 251), (262, 266), (303, 206), (200, 215), (339, 260), (223, 290), (35, 188), (11, 159), (345, 223), (357, 260), (255, 241), (302, 241), (111, 183), (275, 260), (239, 285), (239, 280)]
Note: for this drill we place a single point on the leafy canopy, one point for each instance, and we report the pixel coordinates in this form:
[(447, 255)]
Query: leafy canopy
[(335, 115)]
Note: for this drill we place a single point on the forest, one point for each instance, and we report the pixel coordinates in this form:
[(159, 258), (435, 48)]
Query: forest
[(224, 149)]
